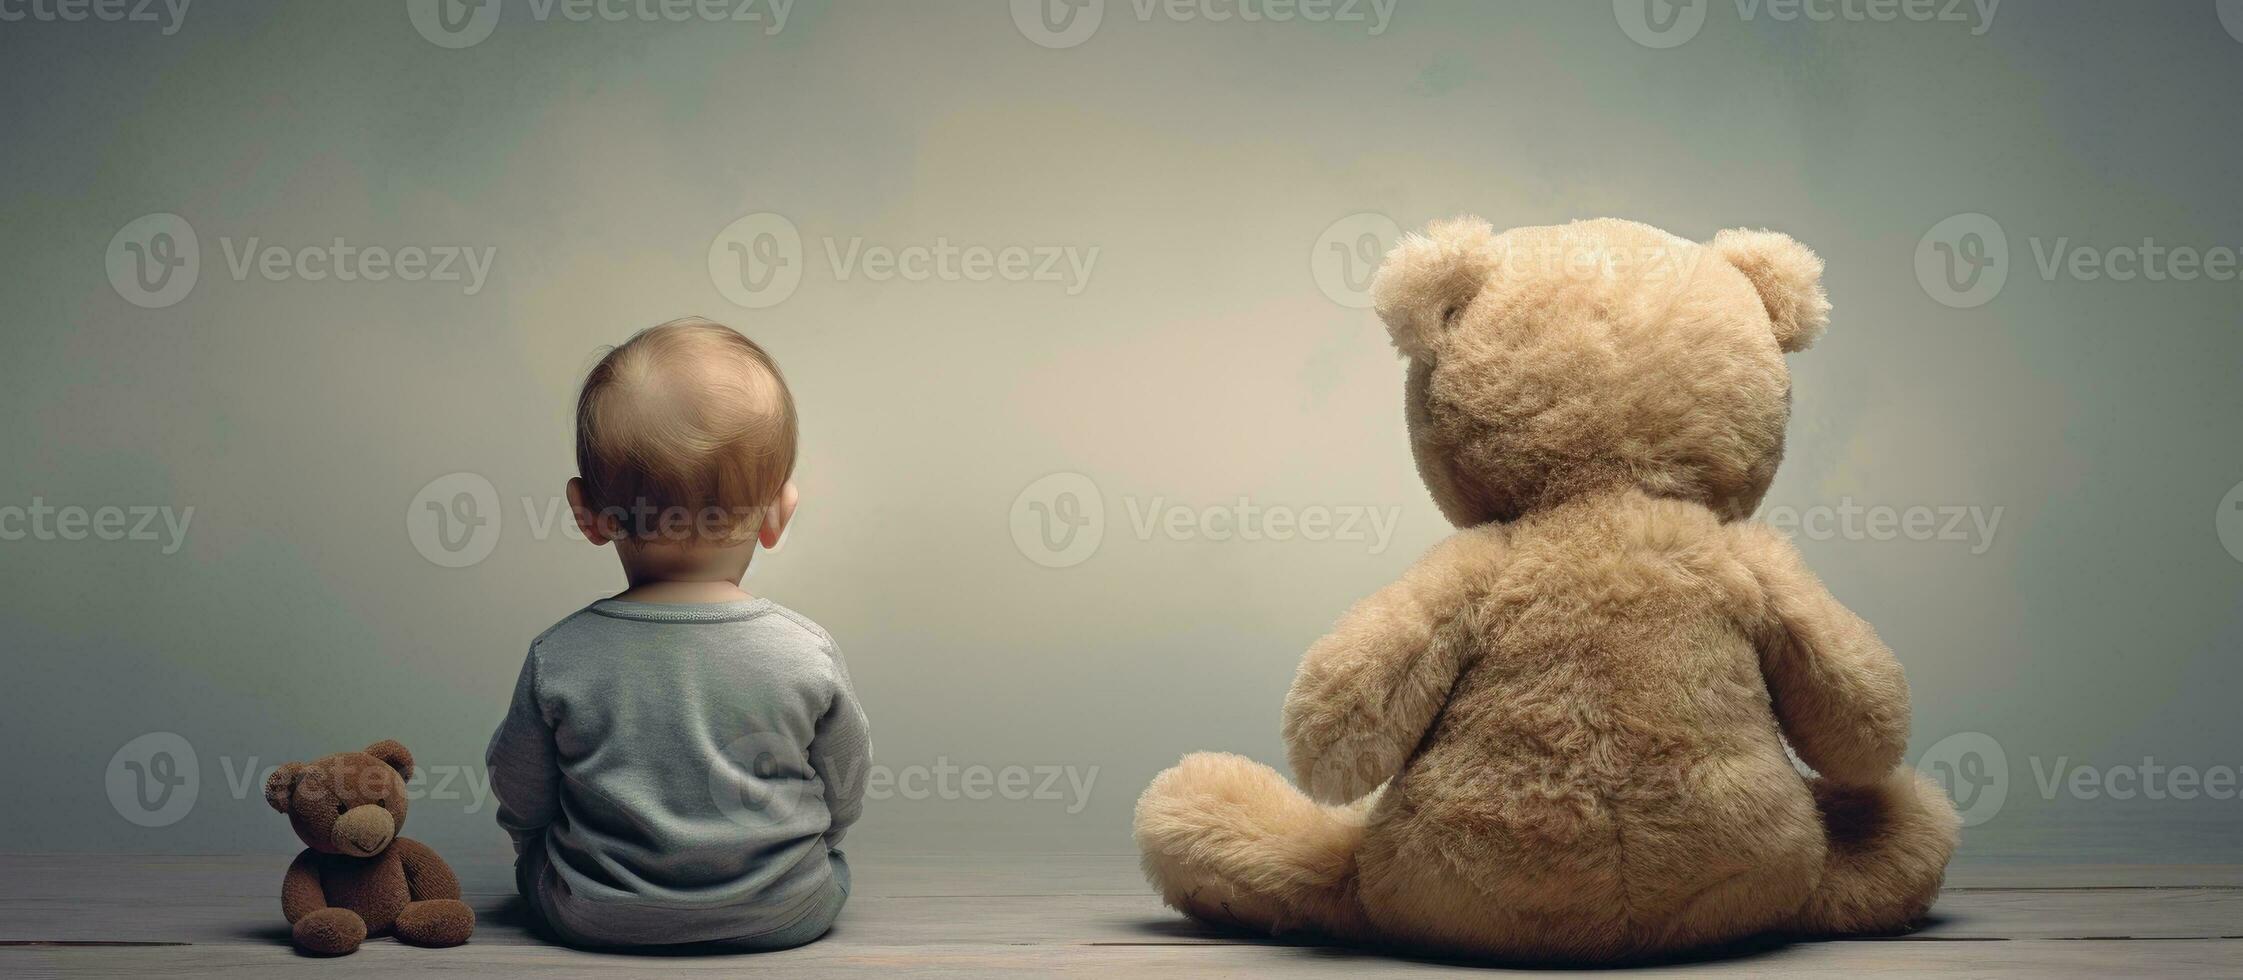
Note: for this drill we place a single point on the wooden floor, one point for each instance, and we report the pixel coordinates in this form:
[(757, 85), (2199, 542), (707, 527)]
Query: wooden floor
[(1064, 914)]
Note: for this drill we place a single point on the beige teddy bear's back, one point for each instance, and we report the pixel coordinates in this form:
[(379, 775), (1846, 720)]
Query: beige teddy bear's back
[(1608, 763)]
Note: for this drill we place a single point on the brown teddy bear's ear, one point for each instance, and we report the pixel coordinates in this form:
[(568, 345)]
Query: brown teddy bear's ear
[(397, 756), (1787, 275), (1427, 278), (281, 785)]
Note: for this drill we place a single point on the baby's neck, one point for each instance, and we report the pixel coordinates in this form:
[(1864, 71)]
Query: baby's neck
[(683, 593), (684, 574)]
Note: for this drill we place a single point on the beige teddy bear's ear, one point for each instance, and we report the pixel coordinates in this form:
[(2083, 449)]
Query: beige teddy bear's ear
[(1429, 277), (280, 787), (1788, 276), (390, 751)]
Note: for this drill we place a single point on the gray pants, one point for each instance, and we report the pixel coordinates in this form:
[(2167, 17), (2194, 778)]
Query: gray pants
[(639, 926)]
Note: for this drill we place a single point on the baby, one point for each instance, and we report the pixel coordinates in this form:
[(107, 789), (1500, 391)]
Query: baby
[(680, 761)]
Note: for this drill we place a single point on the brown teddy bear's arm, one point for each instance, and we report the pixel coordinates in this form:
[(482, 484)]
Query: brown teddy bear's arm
[(300, 891), (1838, 691), (1367, 692), (426, 874)]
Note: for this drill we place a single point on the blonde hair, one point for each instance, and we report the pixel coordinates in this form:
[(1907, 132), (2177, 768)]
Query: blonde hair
[(684, 432)]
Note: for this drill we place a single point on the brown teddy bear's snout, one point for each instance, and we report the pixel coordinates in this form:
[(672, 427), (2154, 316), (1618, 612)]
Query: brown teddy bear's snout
[(364, 831)]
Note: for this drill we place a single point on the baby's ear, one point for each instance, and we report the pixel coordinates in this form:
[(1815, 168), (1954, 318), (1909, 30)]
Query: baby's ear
[(395, 755), (1787, 275), (280, 787), (1429, 277)]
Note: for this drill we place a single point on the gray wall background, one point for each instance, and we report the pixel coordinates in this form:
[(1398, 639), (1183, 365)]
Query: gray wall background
[(1212, 165)]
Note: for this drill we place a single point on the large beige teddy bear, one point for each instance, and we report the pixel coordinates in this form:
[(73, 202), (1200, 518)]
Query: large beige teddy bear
[(1578, 705)]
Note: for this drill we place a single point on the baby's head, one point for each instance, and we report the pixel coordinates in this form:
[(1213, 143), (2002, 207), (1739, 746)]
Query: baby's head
[(685, 440)]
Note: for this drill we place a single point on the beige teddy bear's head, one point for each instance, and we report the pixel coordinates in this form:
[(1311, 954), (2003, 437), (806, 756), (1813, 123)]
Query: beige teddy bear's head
[(1551, 363)]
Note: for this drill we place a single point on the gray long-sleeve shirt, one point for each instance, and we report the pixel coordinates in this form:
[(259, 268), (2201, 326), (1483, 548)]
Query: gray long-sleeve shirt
[(698, 758)]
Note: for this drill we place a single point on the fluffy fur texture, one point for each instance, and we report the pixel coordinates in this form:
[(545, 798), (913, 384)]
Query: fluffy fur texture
[(356, 878), (1561, 735), (1789, 278)]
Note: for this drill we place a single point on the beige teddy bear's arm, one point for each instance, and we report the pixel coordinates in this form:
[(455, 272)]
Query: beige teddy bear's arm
[(1838, 692), (1367, 692)]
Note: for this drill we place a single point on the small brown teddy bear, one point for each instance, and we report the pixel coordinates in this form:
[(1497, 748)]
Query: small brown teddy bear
[(357, 878), (1578, 706)]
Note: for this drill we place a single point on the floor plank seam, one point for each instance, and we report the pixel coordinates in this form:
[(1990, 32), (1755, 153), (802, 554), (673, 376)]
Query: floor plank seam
[(1982, 889)]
